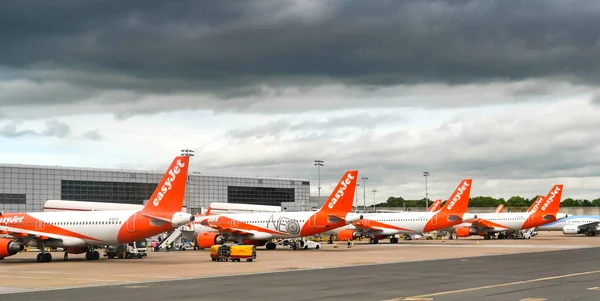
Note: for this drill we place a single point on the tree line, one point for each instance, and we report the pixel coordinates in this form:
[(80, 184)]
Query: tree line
[(487, 201)]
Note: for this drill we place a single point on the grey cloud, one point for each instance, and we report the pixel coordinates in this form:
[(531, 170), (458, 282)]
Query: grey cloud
[(53, 128), (278, 127), (92, 135), (234, 49), (517, 152), (596, 99)]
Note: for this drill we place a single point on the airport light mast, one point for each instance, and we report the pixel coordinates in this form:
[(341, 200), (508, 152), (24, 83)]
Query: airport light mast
[(318, 164), (374, 209), (426, 175), (364, 193)]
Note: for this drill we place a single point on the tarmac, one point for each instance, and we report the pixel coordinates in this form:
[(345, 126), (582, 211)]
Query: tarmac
[(411, 270)]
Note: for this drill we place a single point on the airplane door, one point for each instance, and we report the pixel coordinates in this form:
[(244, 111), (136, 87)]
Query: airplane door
[(40, 225), (131, 223), (312, 221), (434, 220)]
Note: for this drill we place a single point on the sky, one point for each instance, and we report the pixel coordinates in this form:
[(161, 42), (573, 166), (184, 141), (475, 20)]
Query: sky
[(503, 92)]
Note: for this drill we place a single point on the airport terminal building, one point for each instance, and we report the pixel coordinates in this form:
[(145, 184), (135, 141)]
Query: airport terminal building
[(28, 187)]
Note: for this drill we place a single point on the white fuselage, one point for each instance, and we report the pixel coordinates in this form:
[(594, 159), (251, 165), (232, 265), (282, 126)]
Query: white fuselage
[(74, 229), (503, 221), (392, 223), (571, 221), (269, 225)]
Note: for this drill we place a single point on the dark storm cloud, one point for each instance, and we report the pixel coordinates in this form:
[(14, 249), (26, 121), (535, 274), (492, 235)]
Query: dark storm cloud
[(230, 48)]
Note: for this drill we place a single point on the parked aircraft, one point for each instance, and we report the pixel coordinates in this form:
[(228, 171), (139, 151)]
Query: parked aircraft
[(435, 206), (577, 224), (83, 232), (260, 228), (543, 211), (377, 226)]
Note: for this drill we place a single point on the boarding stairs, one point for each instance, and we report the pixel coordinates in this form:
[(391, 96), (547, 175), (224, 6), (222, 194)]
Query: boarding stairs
[(171, 239)]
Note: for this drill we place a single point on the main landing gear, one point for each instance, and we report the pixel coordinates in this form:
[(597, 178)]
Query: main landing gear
[(271, 245), (92, 255), (393, 240), (373, 241), (43, 256)]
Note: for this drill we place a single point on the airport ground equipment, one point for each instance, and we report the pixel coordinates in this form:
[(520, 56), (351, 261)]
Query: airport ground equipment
[(239, 252), (219, 252), (233, 252), (136, 249)]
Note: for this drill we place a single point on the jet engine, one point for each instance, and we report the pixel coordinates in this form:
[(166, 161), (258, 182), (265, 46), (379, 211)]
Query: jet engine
[(344, 235), (208, 239), (571, 229), (353, 217), (9, 248), (465, 232)]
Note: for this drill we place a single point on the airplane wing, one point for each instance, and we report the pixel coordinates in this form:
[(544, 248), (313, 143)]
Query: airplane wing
[(482, 225), (593, 225), (376, 226), (25, 235)]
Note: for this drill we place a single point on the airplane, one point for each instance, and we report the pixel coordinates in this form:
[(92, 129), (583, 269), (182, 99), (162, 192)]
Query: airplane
[(543, 211), (499, 208), (261, 227), (377, 226), (83, 232), (576, 224), (435, 206)]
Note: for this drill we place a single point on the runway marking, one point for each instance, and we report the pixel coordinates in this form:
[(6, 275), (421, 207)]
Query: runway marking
[(595, 288), (534, 299), (506, 284)]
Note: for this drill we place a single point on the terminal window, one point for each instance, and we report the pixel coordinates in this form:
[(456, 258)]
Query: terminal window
[(108, 192), (259, 195), (13, 198)]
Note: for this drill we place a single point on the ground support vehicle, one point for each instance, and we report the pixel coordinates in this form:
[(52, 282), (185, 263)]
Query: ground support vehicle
[(233, 252), (136, 249)]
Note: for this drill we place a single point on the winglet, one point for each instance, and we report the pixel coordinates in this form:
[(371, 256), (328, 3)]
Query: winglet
[(342, 197), (499, 208), (168, 196)]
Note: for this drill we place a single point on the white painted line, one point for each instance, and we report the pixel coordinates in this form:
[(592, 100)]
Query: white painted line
[(595, 288), (508, 284), (534, 299)]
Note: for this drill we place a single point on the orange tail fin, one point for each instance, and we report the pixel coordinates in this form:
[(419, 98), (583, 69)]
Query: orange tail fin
[(534, 207), (435, 206), (168, 196), (459, 200), (342, 197), (499, 208), (551, 203)]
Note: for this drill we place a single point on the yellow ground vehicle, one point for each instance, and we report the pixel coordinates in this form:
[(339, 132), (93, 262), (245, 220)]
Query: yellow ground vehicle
[(233, 253)]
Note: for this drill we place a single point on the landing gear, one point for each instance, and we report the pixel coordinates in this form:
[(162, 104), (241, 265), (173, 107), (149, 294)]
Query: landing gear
[(487, 236), (66, 257), (373, 241), (92, 255), (44, 257), (393, 240), (271, 246), (501, 236), (330, 240)]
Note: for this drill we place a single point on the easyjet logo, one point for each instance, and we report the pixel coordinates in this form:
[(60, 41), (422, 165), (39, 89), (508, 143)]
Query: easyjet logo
[(340, 191), (10, 220), (537, 204), (459, 193), (168, 184), (551, 198)]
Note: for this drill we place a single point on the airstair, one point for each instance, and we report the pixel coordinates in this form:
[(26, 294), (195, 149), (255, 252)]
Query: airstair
[(171, 239)]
